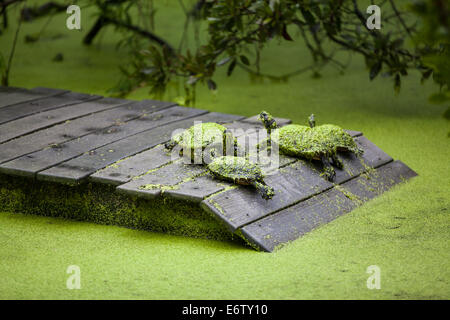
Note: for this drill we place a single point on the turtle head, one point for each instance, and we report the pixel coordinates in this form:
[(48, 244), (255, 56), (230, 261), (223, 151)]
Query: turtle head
[(312, 121), (170, 145), (267, 120)]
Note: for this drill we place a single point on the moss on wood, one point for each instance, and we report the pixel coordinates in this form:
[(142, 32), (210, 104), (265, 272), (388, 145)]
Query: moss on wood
[(100, 203)]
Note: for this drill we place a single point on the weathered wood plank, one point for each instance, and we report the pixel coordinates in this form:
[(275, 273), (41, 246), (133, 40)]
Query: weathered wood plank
[(354, 133), (31, 164), (24, 109), (280, 121), (42, 120), (12, 96), (4, 89), (126, 169), (240, 127), (153, 183), (81, 167), (242, 205), (198, 188), (373, 157), (293, 222), (77, 128), (292, 184), (372, 184)]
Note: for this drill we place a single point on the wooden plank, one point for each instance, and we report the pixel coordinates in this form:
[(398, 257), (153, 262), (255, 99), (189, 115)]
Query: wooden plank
[(79, 168), (126, 169), (292, 184), (372, 184), (9, 89), (373, 157), (77, 128), (12, 96), (280, 121), (242, 205), (42, 120), (293, 222), (197, 189), (153, 183), (24, 109), (240, 127), (138, 164), (354, 133), (31, 164)]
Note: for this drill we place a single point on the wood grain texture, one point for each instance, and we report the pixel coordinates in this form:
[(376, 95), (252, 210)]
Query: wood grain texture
[(31, 164), (80, 167), (291, 223), (43, 120), (137, 164), (293, 183), (153, 183), (11, 96), (77, 128), (197, 188), (17, 111)]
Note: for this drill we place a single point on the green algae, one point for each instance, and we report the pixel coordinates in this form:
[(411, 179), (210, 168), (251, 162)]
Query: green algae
[(128, 264), (354, 198), (101, 204)]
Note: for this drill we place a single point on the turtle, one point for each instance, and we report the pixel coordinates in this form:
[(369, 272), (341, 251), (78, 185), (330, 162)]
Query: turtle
[(201, 136), (312, 143), (241, 171)]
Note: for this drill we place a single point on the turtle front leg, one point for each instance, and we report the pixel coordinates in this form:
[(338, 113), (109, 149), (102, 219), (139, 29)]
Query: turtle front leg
[(337, 162), (328, 170), (237, 150), (265, 191)]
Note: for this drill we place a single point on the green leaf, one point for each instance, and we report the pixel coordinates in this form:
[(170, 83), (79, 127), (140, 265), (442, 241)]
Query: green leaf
[(231, 67), (245, 60), (375, 70), (285, 34), (211, 85)]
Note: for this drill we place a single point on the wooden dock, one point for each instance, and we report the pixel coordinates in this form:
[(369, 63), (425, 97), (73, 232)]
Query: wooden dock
[(71, 138)]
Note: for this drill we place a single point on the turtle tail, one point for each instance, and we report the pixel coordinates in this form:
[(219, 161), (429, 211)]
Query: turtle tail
[(265, 191)]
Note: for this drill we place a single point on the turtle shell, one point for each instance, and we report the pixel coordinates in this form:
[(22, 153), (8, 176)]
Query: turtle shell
[(200, 136), (236, 169), (311, 143)]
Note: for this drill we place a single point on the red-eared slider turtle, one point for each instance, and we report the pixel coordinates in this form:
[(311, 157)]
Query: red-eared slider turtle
[(240, 171), (313, 143), (202, 136)]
